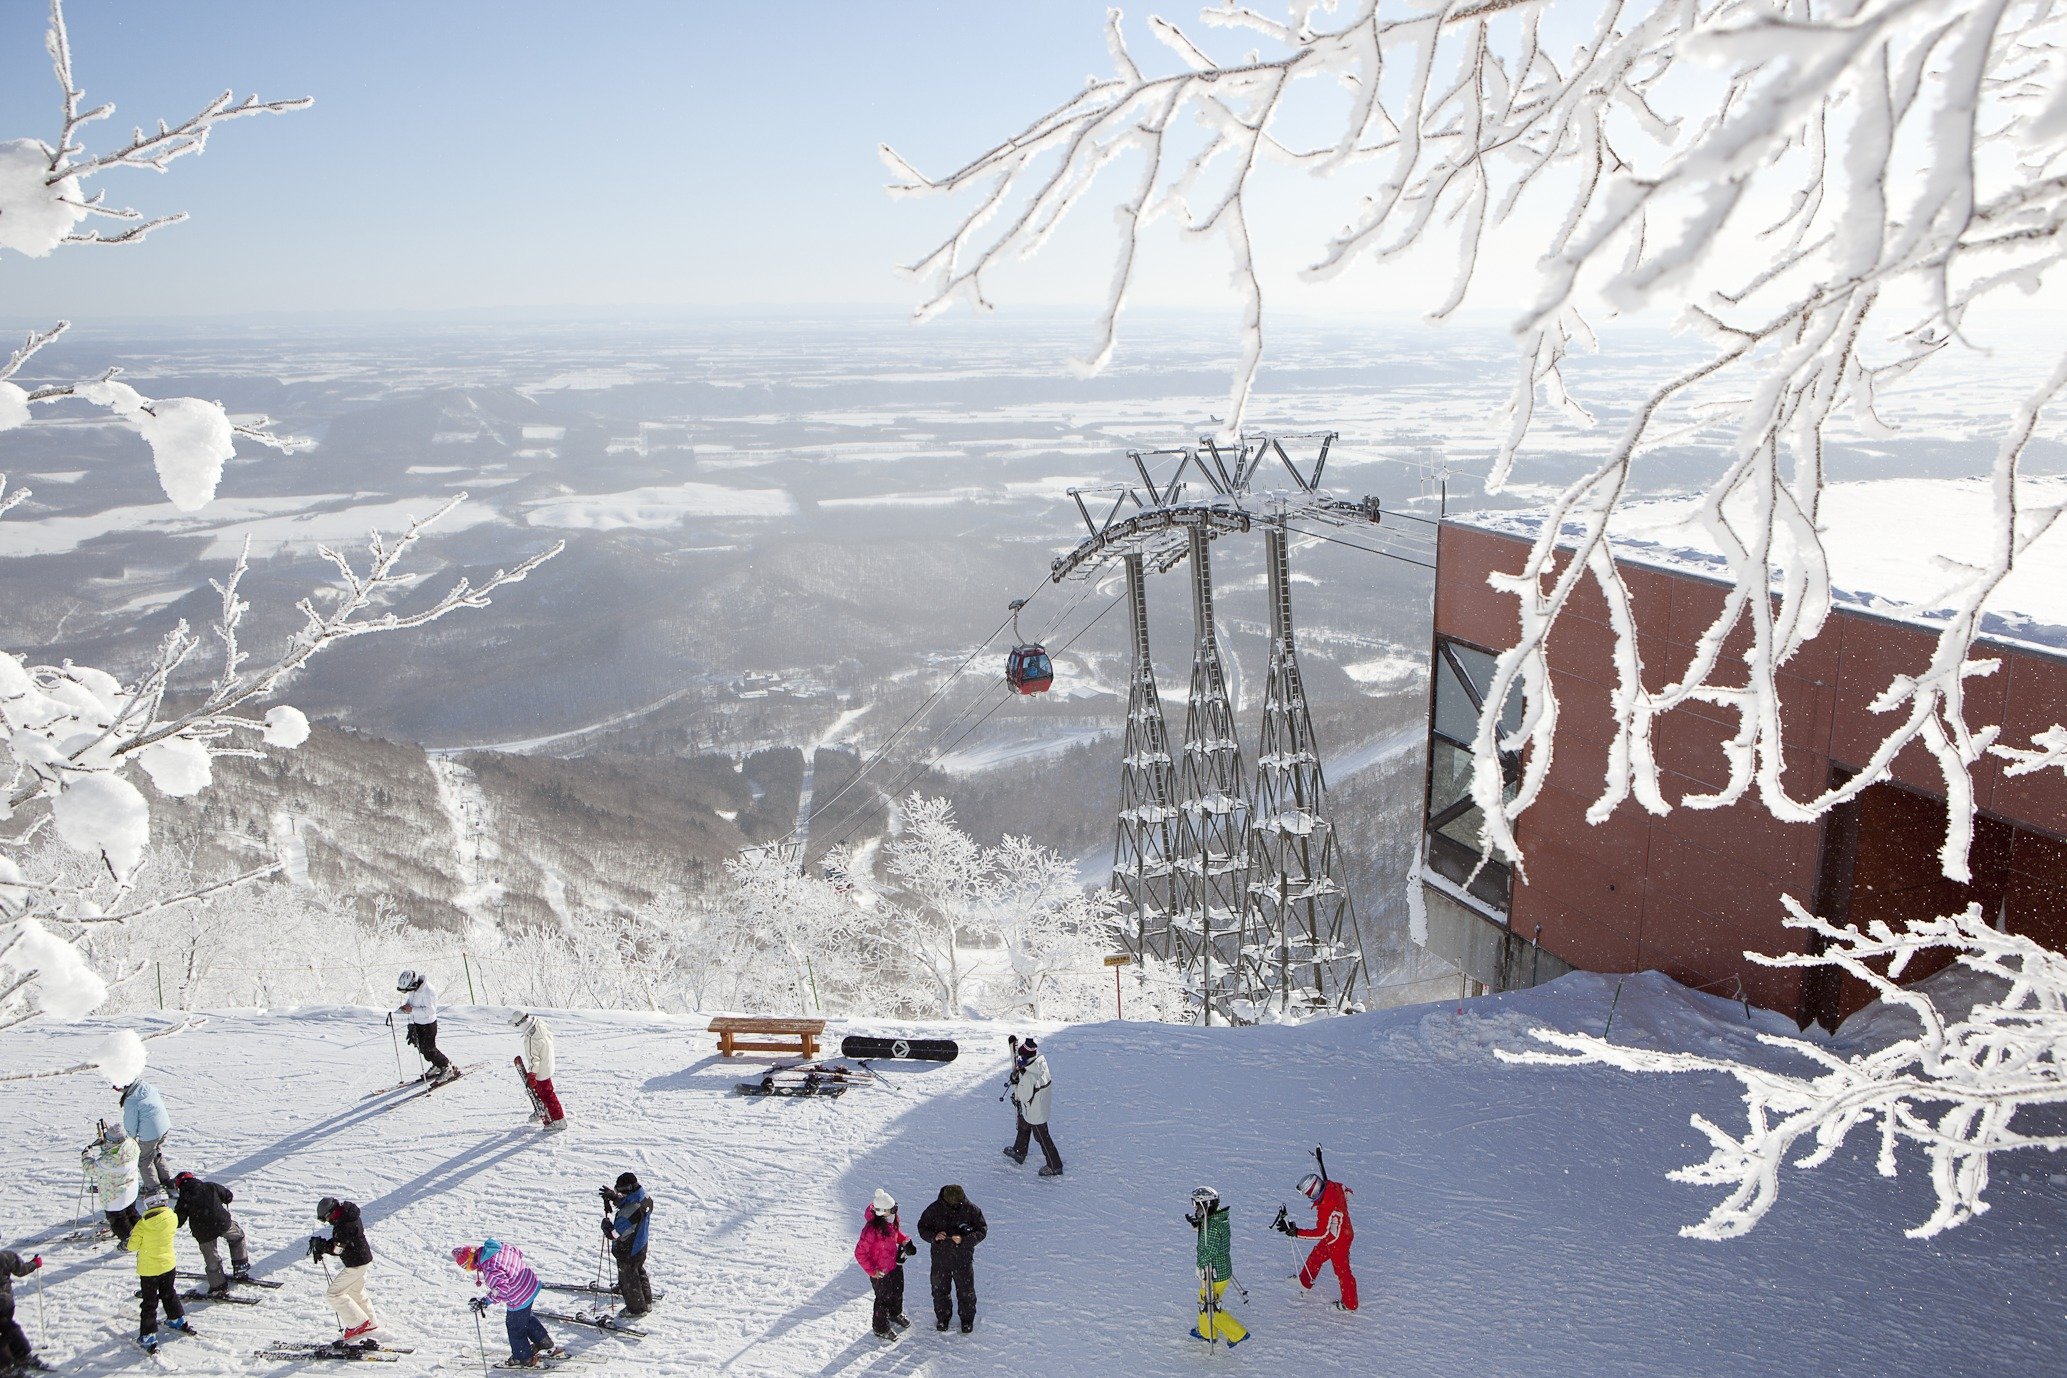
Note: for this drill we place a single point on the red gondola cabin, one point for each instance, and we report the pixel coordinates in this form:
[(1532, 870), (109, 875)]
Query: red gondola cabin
[(1029, 670)]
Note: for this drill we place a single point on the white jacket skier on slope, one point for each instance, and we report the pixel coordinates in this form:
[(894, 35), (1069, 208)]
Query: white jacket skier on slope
[(537, 1065), (420, 1003), (1032, 1087)]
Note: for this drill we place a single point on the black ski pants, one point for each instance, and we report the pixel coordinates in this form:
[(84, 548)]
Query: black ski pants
[(158, 1288), (889, 1290), (122, 1222), (1039, 1133), (954, 1266), (632, 1283), (424, 1038), (14, 1345)]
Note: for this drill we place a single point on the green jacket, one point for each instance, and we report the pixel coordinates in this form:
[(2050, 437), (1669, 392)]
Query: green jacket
[(1215, 1245)]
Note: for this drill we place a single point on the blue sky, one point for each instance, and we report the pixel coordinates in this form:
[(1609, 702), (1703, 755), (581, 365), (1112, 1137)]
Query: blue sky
[(468, 155)]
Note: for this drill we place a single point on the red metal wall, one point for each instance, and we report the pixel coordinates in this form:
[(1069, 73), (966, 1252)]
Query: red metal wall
[(1688, 893)]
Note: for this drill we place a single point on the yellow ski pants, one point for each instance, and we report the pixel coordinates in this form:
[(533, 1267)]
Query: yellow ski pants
[(1223, 1325)]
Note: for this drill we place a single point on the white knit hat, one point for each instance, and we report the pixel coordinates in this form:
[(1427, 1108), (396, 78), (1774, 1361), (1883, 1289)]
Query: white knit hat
[(885, 1203)]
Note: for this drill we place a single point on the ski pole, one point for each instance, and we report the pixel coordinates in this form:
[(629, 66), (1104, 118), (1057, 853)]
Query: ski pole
[(480, 1340), (42, 1334), (395, 1039), (326, 1288)]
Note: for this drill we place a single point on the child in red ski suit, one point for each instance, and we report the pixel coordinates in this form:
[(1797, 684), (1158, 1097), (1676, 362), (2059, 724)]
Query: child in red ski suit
[(1333, 1233)]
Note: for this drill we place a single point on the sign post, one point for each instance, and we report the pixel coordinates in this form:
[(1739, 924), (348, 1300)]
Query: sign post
[(1116, 961)]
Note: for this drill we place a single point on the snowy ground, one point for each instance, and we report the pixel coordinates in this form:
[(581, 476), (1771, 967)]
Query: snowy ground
[(1509, 1220)]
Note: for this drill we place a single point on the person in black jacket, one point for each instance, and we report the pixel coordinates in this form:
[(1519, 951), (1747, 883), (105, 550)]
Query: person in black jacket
[(15, 1352), (954, 1227), (347, 1291), (627, 1229), (204, 1208)]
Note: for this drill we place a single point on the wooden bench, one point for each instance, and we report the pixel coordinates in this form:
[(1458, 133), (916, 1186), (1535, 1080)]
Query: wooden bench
[(798, 1036)]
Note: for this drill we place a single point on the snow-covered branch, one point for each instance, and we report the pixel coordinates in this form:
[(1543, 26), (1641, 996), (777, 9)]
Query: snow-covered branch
[(1954, 1089), (1820, 195), (72, 732)]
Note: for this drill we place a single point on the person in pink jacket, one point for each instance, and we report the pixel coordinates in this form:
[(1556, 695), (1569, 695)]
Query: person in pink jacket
[(502, 1270), (881, 1252)]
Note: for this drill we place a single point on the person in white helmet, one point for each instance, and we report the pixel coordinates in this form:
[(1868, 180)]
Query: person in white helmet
[(420, 1003), (537, 1064)]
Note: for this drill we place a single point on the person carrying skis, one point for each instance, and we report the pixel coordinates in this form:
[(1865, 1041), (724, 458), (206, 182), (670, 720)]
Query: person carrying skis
[(204, 1208), (420, 1003), (537, 1065), (152, 1243), (881, 1252), (1331, 1232), (110, 1163), (144, 1120), (15, 1351), (1032, 1088), (502, 1270), (626, 1230), (1216, 1269), (347, 1291), (954, 1227)]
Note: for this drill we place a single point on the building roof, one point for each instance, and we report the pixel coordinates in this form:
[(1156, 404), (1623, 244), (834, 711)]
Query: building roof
[(1889, 543)]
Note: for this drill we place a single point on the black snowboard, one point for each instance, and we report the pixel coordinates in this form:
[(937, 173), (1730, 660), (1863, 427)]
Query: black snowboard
[(919, 1049)]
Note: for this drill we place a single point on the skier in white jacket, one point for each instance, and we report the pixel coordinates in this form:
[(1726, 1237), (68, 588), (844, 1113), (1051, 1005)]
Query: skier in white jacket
[(110, 1163), (536, 1063), (1032, 1088), (420, 1003)]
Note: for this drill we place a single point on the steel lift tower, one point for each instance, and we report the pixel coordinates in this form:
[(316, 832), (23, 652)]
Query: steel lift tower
[(1146, 848), (1299, 932), (1243, 891)]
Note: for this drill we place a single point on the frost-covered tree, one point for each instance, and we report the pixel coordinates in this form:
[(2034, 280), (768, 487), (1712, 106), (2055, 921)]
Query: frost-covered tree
[(77, 737), (1961, 1089), (1819, 193), (1005, 930)]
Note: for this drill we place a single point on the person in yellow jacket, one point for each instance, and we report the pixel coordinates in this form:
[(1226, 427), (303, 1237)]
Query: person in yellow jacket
[(151, 1242)]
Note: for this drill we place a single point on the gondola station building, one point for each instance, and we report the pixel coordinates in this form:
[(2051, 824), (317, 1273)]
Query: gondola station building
[(1689, 892)]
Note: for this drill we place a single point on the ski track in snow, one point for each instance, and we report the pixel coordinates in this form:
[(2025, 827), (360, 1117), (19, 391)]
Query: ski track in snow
[(1510, 1221), (474, 847)]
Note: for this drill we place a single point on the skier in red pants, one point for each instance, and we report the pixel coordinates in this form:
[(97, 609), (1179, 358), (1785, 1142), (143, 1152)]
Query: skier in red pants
[(1332, 1233)]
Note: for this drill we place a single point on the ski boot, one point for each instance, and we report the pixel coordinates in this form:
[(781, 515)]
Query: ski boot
[(1051, 1170), (242, 1274), (147, 1343), (967, 1325), (182, 1325), (901, 1322), (1016, 1156)]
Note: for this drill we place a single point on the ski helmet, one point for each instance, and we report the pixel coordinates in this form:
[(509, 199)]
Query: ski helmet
[(627, 1182), (325, 1207), (1310, 1185), (1205, 1197), (519, 1019), (408, 980)]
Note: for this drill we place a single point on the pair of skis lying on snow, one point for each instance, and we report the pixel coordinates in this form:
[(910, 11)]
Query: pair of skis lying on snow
[(372, 1351), (834, 1078)]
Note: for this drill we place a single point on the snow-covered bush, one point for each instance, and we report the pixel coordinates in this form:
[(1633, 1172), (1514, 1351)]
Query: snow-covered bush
[(1818, 194), (1957, 1087), (72, 732)]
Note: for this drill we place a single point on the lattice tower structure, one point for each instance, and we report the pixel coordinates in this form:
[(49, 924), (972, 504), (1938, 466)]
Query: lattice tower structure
[(1213, 807), (1299, 936), (1145, 848)]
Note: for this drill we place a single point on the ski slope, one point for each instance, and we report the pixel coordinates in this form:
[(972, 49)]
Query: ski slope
[(1509, 1220)]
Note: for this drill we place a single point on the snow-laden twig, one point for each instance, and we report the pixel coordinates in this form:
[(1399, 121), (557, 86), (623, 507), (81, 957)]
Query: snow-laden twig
[(1954, 1089), (1820, 193)]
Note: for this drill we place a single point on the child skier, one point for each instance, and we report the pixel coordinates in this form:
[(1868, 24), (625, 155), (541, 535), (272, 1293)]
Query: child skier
[(204, 1208), (110, 1163), (537, 1064), (1332, 1233), (1032, 1088), (501, 1269), (626, 1230), (144, 1120), (15, 1353), (152, 1243), (347, 1291), (881, 1252), (1216, 1269), (420, 1003)]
